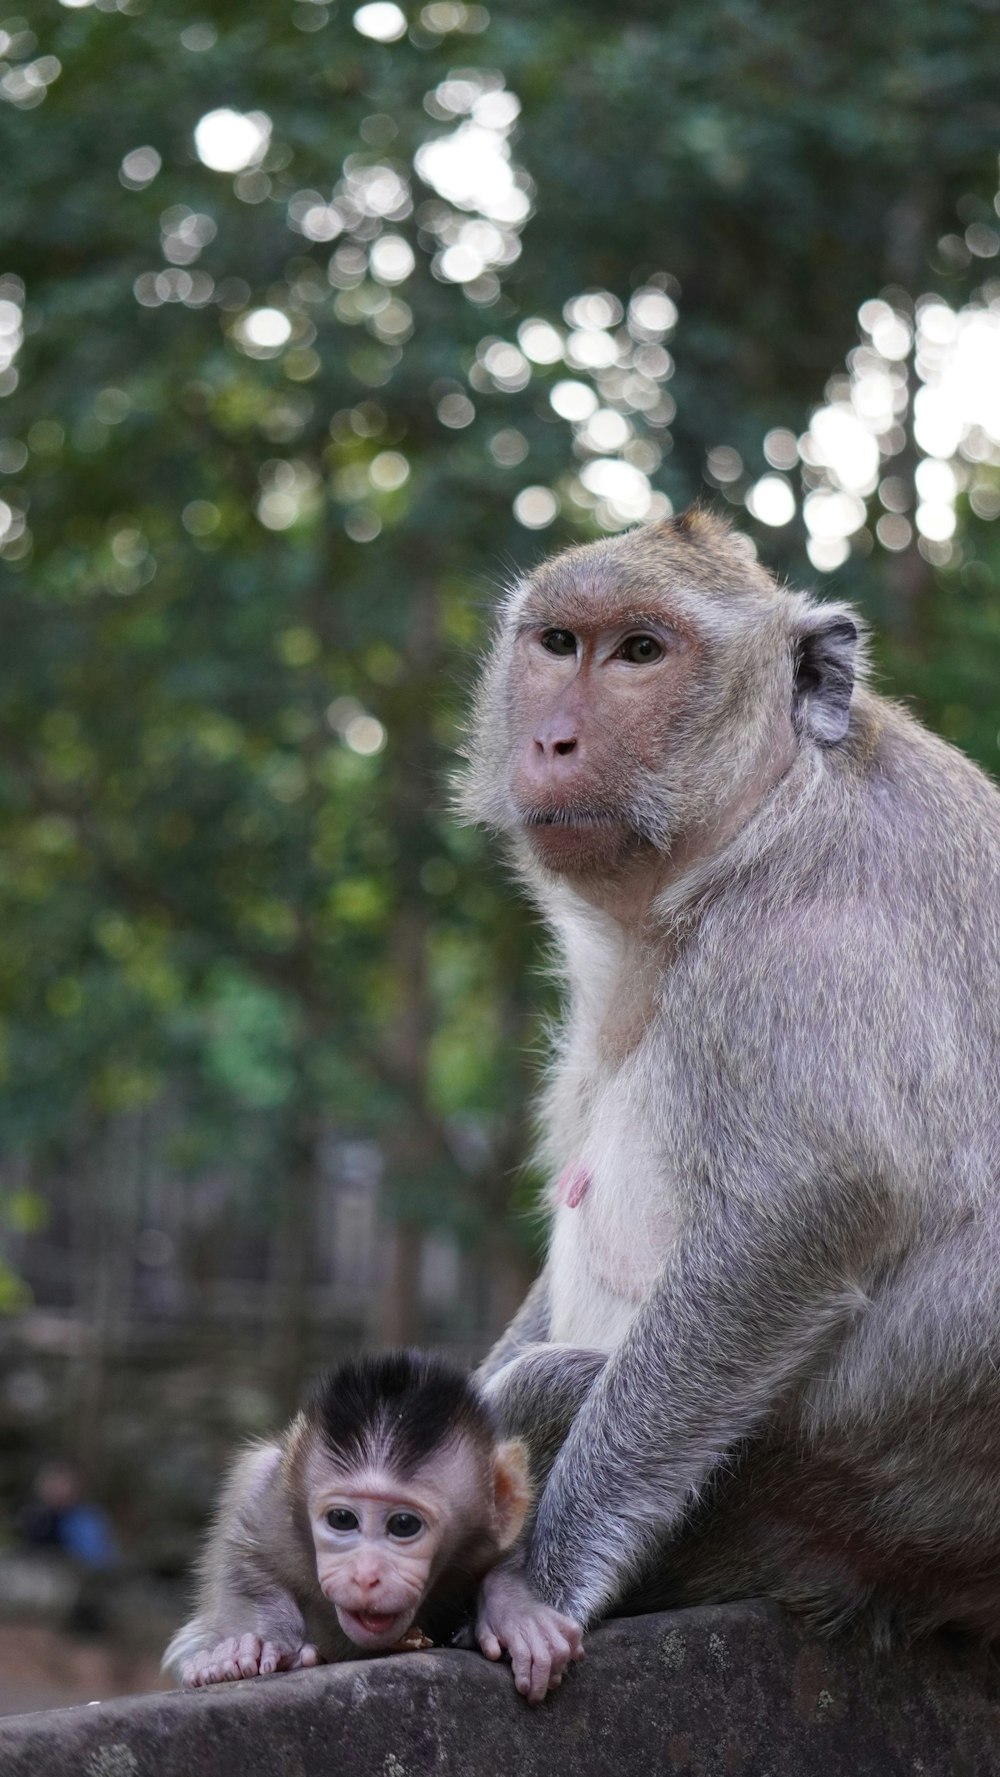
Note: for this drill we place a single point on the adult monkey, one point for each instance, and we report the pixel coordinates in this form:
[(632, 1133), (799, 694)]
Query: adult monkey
[(773, 1115)]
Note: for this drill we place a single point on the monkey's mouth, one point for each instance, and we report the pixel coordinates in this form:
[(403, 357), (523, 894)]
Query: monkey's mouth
[(574, 839), (574, 818), (374, 1628)]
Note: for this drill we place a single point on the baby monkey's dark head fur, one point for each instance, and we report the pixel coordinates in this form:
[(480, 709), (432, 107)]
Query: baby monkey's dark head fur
[(394, 1409)]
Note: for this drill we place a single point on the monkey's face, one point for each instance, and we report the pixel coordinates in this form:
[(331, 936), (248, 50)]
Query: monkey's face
[(380, 1542), (375, 1554), (643, 694), (596, 686)]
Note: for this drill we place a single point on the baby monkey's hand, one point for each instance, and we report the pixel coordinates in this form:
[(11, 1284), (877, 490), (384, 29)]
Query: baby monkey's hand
[(244, 1656), (540, 1641)]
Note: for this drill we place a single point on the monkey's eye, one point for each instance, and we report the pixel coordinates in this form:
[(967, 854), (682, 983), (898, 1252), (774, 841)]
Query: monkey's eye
[(559, 641), (641, 650), (339, 1518), (403, 1525)]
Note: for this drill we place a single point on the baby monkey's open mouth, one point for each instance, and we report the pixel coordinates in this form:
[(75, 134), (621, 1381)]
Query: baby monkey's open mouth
[(367, 1626)]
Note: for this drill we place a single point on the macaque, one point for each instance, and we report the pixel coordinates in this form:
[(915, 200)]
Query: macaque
[(366, 1528), (772, 1124)]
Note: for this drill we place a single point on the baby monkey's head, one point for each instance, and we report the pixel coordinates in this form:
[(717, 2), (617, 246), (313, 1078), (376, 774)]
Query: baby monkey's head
[(406, 1487)]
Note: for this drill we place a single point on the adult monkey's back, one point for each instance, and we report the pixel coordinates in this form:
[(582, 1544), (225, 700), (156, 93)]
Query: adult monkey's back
[(772, 1128)]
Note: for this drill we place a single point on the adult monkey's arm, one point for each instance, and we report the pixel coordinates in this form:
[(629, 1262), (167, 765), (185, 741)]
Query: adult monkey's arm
[(746, 1301), (530, 1326)]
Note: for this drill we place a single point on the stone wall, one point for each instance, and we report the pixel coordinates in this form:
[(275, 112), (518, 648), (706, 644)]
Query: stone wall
[(733, 1691)]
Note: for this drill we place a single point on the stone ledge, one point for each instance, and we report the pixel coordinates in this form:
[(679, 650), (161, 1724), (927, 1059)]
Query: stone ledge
[(731, 1691)]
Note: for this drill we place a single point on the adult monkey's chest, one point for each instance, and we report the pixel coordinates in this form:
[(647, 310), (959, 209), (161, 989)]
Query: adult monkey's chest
[(615, 1202)]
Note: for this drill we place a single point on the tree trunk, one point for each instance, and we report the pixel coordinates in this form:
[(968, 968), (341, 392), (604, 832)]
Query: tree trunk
[(414, 1147), (105, 1215), (292, 1259), (398, 1319)]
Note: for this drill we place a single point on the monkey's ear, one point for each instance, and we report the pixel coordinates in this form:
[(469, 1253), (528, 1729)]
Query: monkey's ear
[(824, 675), (512, 1492)]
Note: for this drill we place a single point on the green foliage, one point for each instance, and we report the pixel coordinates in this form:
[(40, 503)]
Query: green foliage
[(250, 1044)]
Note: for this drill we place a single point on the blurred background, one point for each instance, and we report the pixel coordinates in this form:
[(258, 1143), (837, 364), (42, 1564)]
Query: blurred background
[(317, 324)]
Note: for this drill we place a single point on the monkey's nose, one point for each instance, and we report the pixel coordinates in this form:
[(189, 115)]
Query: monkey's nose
[(557, 750), (555, 738), (367, 1579)]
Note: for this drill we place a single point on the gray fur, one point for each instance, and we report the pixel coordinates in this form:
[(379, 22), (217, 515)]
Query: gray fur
[(256, 1574), (537, 1396), (782, 1068)]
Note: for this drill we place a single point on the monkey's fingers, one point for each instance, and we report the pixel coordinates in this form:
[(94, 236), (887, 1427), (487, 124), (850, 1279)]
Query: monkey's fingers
[(195, 1672), (519, 1649), (200, 1671), (542, 1677), (248, 1655), (555, 1642), (307, 1655), (562, 1655), (227, 1658), (490, 1631), (214, 1665), (488, 1642)]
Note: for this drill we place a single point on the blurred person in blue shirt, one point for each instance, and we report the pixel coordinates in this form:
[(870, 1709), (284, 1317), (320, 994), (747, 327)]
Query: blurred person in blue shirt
[(58, 1518)]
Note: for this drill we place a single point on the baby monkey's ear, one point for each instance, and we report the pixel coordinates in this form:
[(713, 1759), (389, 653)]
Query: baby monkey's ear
[(513, 1493)]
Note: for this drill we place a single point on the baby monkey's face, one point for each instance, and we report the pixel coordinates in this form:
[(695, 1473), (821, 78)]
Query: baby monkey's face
[(381, 1542)]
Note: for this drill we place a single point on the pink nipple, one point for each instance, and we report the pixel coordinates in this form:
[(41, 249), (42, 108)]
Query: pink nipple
[(573, 1185)]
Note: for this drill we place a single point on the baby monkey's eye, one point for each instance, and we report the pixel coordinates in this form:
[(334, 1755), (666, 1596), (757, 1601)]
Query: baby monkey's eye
[(641, 650), (559, 641), (339, 1518), (404, 1525)]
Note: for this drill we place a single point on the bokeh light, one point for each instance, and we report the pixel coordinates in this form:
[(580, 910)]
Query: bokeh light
[(389, 470), (455, 411), (934, 377), (381, 20), (893, 531), (771, 500), (573, 401), (11, 331), (263, 332), (605, 432), (228, 141), (365, 734), (443, 16), (651, 313), (471, 168), (139, 167), (625, 489), (781, 448), (508, 447), (391, 259), (540, 341), (289, 492), (536, 507), (724, 464)]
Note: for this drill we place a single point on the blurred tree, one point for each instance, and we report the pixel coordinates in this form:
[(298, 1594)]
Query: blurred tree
[(305, 320)]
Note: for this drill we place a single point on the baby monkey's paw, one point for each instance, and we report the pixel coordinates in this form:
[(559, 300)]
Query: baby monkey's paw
[(244, 1656), (541, 1642)]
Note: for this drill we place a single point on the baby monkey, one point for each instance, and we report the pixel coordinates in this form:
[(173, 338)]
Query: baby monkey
[(366, 1528)]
